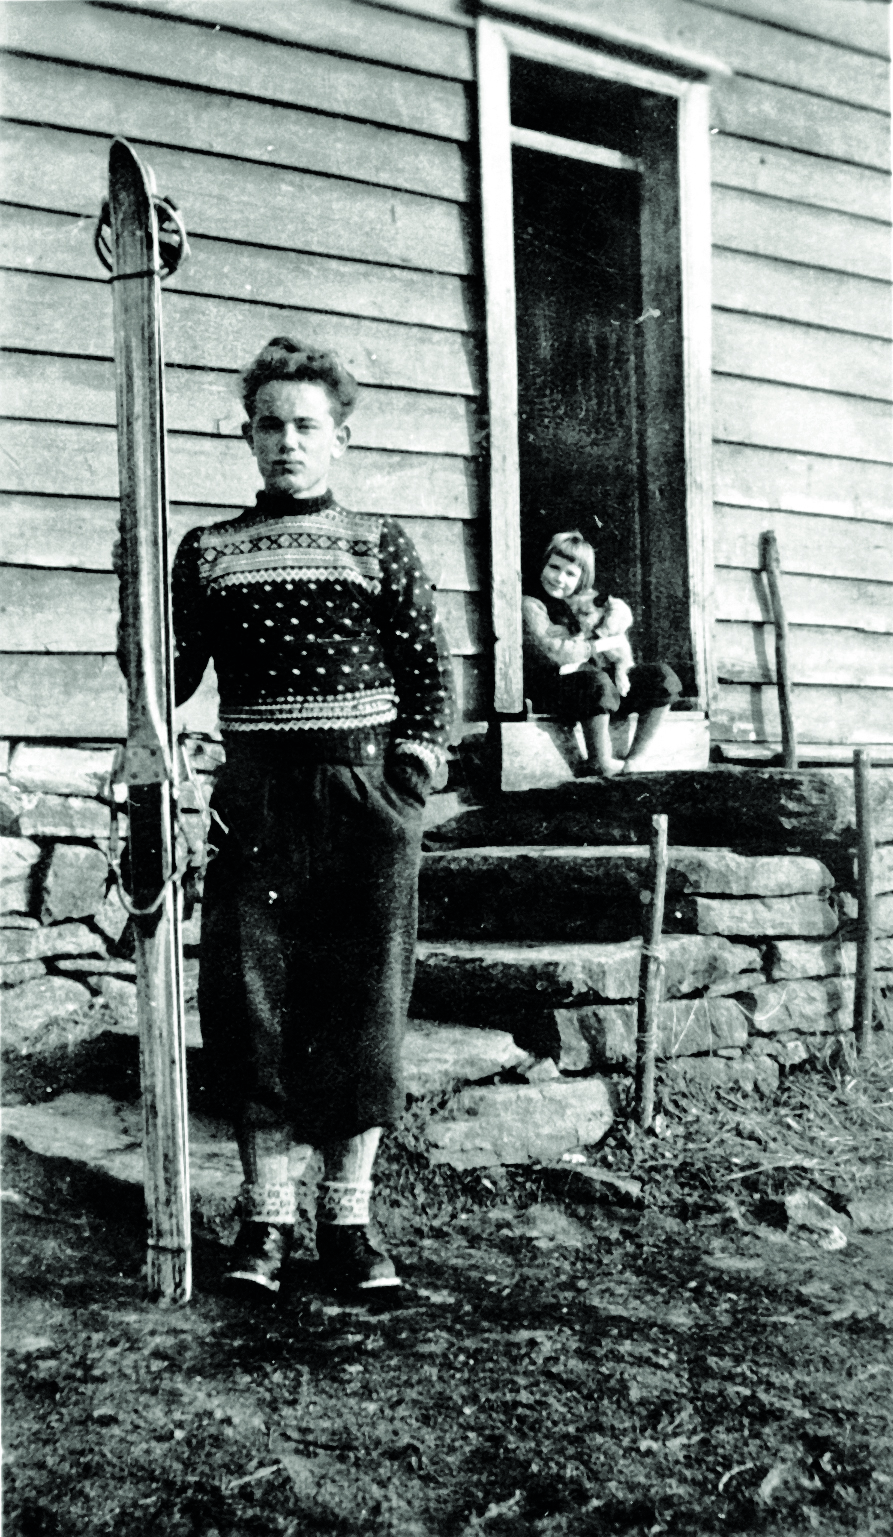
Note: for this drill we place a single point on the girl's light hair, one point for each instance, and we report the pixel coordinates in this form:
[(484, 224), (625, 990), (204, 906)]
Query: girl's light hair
[(572, 546)]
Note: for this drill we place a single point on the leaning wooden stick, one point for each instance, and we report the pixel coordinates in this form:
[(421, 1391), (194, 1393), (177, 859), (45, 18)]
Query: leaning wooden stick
[(149, 767), (651, 975), (772, 566), (863, 1010)]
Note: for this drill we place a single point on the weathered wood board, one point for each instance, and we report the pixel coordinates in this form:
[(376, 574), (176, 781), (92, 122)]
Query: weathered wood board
[(37, 240), (811, 421), (800, 177), (745, 653), (65, 460), (754, 347), (238, 200), (41, 91), (752, 476), (820, 237), (814, 600), (74, 533), (243, 66), (761, 285), (812, 546), (755, 109), (55, 696), (858, 24), (749, 713), (68, 316)]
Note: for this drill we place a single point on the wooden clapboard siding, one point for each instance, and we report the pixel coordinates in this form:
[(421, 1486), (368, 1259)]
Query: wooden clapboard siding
[(46, 695), (751, 109), (361, 31), (240, 200), (224, 61), (862, 25), (800, 178), (46, 610), (760, 285), (77, 533), (74, 389), (71, 460), (749, 476), (67, 315), (759, 348), (821, 237), (749, 713), (745, 653), (37, 240), (40, 91), (813, 546), (812, 421), (838, 603)]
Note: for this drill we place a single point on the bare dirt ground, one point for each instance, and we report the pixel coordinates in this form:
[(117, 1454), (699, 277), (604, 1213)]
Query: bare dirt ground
[(568, 1358)]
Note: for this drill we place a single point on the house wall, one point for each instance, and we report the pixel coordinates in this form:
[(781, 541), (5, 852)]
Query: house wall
[(325, 162)]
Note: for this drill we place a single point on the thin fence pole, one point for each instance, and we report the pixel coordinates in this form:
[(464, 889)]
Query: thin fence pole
[(772, 567), (863, 1006), (651, 975)]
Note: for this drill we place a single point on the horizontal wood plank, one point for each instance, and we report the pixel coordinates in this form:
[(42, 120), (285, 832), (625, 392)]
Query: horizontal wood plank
[(756, 347), (750, 49), (811, 546), (761, 285), (237, 200), (339, 26), (47, 695), (69, 316), (227, 61), (35, 386), (836, 488), (745, 653), (799, 177), (36, 240), (811, 421), (774, 114), (818, 237), (835, 602), (68, 97), (58, 459), (749, 713), (77, 611), (858, 24), (69, 532)]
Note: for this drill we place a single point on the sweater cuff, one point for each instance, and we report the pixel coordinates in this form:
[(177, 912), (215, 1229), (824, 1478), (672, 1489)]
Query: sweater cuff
[(429, 756)]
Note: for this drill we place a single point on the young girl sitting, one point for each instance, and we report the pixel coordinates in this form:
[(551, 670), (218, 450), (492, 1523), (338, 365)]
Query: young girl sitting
[(566, 672)]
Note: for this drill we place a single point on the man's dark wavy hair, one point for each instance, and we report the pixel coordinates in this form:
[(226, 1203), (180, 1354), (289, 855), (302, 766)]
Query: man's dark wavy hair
[(284, 358)]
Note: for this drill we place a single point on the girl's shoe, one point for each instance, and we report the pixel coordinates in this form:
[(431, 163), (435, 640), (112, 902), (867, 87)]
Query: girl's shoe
[(261, 1250)]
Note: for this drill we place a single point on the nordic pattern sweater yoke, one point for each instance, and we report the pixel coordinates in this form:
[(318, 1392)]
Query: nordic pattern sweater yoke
[(321, 622)]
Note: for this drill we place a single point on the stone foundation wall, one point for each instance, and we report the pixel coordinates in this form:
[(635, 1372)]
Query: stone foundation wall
[(519, 1042)]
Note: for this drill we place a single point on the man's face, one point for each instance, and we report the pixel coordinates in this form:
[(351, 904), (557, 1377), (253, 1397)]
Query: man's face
[(560, 577), (294, 437)]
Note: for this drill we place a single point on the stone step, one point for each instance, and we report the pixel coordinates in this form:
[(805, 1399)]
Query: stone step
[(481, 980), (594, 893), (756, 810), (540, 753)]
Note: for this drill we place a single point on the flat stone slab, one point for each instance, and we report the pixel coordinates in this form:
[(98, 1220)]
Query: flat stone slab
[(807, 1007), (881, 868), (62, 770), (437, 1057), (791, 958), (18, 856), (883, 910), (604, 1035), (710, 1073), (57, 939), (73, 882), (31, 1007), (754, 917), (530, 1123), (763, 810), (462, 978)]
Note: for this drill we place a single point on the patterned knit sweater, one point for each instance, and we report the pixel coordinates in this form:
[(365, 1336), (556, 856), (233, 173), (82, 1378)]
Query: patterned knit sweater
[(321, 623)]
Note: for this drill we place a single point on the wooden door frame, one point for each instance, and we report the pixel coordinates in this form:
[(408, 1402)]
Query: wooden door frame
[(496, 43)]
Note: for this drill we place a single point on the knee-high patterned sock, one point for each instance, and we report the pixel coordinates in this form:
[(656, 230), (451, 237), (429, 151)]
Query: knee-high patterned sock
[(270, 1164), (346, 1185)]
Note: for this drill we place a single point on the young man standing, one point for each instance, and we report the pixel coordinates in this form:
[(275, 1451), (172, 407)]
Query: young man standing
[(335, 703)]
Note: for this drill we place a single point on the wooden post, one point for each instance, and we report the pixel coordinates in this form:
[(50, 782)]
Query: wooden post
[(863, 1006), (651, 975), (772, 566)]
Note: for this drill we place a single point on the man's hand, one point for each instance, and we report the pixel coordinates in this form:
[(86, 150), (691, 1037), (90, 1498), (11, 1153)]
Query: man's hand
[(409, 778)]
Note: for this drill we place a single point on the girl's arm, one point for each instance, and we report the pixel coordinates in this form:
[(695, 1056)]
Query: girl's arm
[(551, 641)]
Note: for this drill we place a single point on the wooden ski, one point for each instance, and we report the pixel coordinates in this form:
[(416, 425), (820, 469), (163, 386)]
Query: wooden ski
[(149, 763)]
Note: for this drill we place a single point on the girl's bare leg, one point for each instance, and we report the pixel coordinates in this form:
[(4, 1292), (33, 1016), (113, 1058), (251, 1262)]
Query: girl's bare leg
[(646, 729), (597, 736)]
